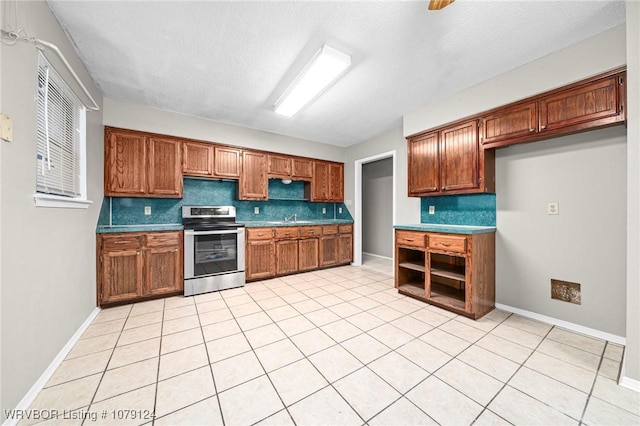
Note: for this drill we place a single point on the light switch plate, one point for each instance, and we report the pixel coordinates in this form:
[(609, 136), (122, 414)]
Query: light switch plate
[(6, 128), (432, 209), (553, 208), (256, 210), (340, 210), (147, 210), (324, 210)]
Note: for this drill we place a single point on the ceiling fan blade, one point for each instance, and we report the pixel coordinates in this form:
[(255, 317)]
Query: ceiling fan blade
[(439, 4)]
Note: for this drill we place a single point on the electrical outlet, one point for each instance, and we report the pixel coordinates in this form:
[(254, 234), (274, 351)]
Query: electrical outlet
[(147, 210), (432, 209), (339, 210), (256, 210), (553, 208), (324, 210)]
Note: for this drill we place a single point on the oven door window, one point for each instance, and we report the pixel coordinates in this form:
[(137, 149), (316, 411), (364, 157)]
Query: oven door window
[(215, 254)]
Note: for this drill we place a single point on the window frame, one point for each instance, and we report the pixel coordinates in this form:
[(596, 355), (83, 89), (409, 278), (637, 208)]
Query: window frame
[(43, 199)]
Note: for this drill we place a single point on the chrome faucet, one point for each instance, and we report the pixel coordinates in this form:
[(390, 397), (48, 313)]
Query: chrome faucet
[(288, 218)]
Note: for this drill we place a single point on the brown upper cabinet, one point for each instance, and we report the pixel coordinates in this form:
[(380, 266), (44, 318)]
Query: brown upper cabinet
[(449, 161), (507, 124), (302, 169), (197, 159), (327, 184), (253, 183), (588, 104), (288, 167), (279, 166), (227, 162), (141, 165)]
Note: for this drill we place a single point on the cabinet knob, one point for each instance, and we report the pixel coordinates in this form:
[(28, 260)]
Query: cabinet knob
[(531, 129), (543, 127)]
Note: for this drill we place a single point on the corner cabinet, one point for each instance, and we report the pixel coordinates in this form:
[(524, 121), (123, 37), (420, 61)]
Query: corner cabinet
[(135, 266), (453, 271), (449, 161), (140, 165)]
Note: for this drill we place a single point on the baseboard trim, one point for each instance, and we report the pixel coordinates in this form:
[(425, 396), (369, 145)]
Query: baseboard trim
[(376, 255), (630, 383), (31, 395), (565, 324)]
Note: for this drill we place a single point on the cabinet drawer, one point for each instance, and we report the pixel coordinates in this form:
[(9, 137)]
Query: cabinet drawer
[(259, 233), (163, 239), (330, 230), (345, 229), (286, 233), (310, 231), (121, 242), (447, 243), (408, 238)]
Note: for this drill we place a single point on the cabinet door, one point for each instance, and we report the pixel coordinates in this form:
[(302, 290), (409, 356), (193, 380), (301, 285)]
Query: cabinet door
[(279, 166), (424, 165), (253, 180), (336, 182), (260, 259), (121, 275), (125, 163), (345, 248), (582, 105), (286, 257), (459, 157), (226, 162), (508, 125), (197, 159), (308, 254), (163, 270), (328, 250), (302, 169), (164, 171), (320, 182)]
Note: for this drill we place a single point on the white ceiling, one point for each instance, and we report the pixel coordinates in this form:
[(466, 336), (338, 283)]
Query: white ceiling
[(229, 61)]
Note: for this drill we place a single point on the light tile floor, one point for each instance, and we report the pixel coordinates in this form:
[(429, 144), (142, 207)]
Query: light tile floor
[(337, 346)]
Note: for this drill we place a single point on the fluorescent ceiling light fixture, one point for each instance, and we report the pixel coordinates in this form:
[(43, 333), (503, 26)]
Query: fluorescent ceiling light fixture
[(324, 68)]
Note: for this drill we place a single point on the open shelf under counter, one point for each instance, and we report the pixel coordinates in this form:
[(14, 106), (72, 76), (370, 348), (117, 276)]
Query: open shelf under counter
[(412, 289), (445, 270), (460, 280)]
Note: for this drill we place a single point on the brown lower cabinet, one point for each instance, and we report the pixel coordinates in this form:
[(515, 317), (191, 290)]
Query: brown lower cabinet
[(453, 271), (134, 266), (291, 249)]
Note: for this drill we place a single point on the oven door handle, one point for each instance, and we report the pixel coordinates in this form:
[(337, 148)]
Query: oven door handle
[(190, 232)]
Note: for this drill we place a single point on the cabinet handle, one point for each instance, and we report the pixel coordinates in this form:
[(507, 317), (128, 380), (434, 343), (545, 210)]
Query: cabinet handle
[(409, 239), (531, 129), (121, 242), (543, 127), (445, 244)]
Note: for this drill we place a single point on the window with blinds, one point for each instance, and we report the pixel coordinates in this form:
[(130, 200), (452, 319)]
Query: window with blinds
[(61, 136)]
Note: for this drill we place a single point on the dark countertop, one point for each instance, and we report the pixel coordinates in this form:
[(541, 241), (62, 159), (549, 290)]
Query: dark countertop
[(449, 229), (278, 223), (139, 228)]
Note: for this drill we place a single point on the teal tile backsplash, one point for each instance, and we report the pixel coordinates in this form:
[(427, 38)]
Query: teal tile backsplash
[(284, 200), (470, 210)]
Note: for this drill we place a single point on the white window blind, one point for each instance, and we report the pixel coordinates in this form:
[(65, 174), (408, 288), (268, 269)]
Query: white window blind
[(60, 135)]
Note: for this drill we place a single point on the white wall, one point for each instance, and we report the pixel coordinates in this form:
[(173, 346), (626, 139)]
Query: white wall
[(377, 211), (407, 210), (138, 117), (48, 255), (585, 174), (632, 353)]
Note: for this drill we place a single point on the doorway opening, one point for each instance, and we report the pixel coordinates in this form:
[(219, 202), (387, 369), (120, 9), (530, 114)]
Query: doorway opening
[(375, 204)]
